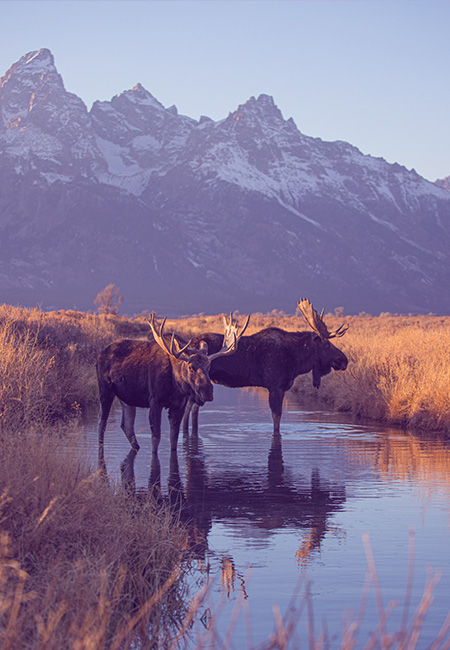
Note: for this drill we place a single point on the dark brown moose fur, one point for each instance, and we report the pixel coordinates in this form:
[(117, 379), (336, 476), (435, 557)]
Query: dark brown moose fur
[(272, 359), (141, 374)]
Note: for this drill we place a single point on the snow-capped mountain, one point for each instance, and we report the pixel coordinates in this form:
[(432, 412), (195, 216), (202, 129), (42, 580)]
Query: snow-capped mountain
[(184, 215)]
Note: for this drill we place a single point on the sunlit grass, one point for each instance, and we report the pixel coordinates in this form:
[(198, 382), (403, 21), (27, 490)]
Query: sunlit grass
[(398, 372), (81, 565), (47, 364)]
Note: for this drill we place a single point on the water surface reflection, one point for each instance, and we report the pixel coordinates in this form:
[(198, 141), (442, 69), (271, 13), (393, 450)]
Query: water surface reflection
[(264, 512)]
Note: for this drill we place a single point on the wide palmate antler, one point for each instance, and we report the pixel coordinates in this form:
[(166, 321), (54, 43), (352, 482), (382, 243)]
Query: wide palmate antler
[(230, 338), (174, 350), (316, 322)]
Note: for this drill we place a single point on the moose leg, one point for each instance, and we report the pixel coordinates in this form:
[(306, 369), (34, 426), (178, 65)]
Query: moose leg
[(187, 413), (106, 400), (194, 418), (175, 417), (191, 410), (276, 396), (154, 481), (127, 424), (155, 425)]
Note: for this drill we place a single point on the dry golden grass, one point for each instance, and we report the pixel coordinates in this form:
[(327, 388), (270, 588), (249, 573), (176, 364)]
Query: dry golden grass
[(398, 372), (81, 565), (47, 363)]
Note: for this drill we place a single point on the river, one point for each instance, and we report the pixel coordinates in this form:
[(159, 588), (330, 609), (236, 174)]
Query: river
[(290, 521)]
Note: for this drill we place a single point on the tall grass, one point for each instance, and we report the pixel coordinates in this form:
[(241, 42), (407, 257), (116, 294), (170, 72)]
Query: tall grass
[(398, 372), (81, 565), (47, 364), (398, 368)]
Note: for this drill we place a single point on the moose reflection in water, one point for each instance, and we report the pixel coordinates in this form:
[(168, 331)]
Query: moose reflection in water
[(156, 375), (272, 359), (270, 500)]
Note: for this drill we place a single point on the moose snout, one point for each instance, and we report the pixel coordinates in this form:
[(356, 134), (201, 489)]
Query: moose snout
[(341, 363), (209, 394), (204, 394)]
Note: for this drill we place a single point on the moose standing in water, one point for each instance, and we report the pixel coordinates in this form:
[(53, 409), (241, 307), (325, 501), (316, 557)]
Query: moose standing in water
[(273, 358), (156, 374)]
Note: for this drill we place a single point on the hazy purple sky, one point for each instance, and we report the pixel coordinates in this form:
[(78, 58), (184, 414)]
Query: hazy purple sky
[(372, 73)]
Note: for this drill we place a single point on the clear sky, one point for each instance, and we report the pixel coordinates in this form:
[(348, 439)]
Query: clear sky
[(372, 73)]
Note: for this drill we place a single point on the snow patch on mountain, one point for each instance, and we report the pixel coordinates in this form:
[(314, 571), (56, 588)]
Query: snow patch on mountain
[(245, 206)]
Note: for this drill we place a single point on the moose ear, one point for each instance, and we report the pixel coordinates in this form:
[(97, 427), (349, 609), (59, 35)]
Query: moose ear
[(203, 347)]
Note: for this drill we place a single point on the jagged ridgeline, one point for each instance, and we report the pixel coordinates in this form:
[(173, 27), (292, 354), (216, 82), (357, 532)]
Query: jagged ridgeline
[(186, 216)]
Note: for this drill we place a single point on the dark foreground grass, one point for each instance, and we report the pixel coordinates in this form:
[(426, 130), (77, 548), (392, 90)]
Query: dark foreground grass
[(81, 565)]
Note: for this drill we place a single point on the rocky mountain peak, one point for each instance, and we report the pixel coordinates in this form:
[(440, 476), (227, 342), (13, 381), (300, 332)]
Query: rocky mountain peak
[(186, 215), (32, 64), (141, 97), (32, 93), (257, 111), (26, 83)]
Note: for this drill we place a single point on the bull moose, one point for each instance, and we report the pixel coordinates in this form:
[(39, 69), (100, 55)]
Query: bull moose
[(272, 358), (156, 374)]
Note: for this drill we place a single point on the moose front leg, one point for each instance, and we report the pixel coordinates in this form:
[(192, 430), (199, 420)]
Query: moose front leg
[(276, 396), (190, 412), (186, 416), (175, 417), (194, 419)]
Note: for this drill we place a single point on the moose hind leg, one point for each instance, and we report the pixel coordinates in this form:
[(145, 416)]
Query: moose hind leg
[(154, 417), (276, 397), (127, 424), (106, 400)]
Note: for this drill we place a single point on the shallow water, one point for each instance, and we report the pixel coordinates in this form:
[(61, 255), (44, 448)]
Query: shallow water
[(269, 516)]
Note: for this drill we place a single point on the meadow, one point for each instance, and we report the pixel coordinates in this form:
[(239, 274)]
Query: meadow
[(76, 575)]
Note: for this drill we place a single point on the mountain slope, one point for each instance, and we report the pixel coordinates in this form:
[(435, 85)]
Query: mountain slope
[(186, 216)]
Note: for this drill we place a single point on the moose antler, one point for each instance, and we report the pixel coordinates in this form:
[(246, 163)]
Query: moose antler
[(174, 350), (230, 338), (231, 327), (316, 322)]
